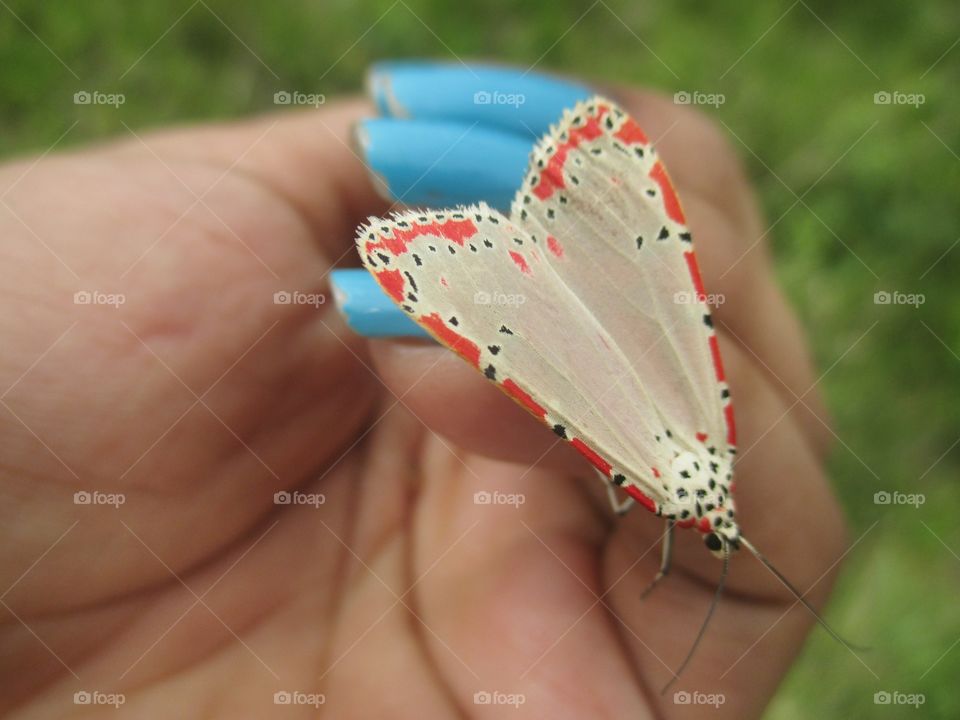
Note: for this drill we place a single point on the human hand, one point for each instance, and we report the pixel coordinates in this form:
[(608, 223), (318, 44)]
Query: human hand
[(200, 397)]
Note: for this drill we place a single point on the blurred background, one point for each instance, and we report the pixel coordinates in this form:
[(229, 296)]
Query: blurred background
[(846, 118)]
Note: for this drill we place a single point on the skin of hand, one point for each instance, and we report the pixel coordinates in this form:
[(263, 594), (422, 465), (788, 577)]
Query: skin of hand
[(199, 397)]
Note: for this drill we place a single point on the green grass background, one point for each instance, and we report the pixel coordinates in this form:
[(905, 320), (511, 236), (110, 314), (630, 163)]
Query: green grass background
[(799, 99)]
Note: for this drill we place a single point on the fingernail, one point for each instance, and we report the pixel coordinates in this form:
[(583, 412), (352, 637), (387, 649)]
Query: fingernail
[(436, 163), (525, 103), (367, 309)]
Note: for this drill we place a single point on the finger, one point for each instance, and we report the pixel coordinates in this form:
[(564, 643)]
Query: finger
[(435, 162), (458, 403), (495, 96), (292, 155)]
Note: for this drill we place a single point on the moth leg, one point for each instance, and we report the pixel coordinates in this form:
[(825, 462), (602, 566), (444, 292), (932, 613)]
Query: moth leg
[(619, 507), (665, 557)]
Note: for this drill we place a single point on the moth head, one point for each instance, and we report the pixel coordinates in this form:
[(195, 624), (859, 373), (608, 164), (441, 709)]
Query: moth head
[(715, 544), (720, 541)]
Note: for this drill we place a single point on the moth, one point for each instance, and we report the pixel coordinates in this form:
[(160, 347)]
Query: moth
[(587, 307)]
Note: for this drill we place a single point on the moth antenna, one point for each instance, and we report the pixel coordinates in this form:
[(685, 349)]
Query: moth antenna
[(796, 593), (706, 620)]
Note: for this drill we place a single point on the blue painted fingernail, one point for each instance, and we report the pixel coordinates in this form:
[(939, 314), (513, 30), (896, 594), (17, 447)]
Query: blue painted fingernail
[(435, 163), (521, 102), (367, 309)]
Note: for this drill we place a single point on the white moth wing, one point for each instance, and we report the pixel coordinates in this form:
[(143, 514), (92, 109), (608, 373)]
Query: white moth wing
[(599, 201), (480, 285)]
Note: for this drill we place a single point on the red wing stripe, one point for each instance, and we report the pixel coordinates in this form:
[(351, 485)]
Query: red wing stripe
[(631, 133), (551, 179), (731, 427), (717, 361), (392, 281), (518, 394), (468, 350), (590, 454), (694, 270), (396, 242), (634, 492), (671, 202)]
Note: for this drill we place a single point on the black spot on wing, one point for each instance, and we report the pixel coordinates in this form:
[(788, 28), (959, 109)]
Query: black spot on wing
[(413, 283)]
